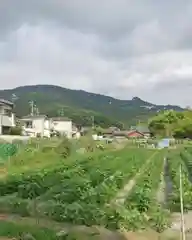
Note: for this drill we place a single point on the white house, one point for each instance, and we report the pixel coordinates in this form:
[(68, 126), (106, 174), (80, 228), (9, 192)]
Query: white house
[(7, 117), (62, 125), (36, 125), (43, 126)]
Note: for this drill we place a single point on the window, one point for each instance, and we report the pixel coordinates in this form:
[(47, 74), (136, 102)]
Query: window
[(28, 124), (7, 112)]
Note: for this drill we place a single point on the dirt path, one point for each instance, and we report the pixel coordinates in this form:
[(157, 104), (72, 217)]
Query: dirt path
[(123, 193)]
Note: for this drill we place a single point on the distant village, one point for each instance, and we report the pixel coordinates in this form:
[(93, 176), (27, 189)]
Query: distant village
[(41, 126)]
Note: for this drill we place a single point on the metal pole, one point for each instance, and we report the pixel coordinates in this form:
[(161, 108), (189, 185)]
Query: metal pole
[(93, 122), (181, 204)]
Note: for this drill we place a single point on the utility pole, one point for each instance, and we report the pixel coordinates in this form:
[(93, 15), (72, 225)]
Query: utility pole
[(32, 105), (93, 122), (181, 205), (37, 111)]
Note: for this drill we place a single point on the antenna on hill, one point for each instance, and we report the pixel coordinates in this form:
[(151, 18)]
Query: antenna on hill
[(14, 97), (181, 205)]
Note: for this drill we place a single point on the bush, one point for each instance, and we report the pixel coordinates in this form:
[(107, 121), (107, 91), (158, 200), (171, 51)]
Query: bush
[(15, 131), (64, 148)]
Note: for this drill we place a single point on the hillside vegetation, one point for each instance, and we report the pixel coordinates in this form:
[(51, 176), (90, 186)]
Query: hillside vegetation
[(81, 106)]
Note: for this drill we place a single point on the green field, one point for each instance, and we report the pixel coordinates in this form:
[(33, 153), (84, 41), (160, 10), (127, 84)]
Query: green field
[(53, 185)]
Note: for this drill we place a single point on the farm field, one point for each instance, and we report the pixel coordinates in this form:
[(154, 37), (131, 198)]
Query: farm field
[(84, 189)]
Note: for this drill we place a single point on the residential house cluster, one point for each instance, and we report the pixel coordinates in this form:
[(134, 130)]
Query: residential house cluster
[(33, 125), (41, 125), (133, 132)]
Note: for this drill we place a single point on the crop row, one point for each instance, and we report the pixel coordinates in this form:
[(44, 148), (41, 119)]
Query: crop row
[(175, 160), (77, 192), (143, 202), (186, 156)]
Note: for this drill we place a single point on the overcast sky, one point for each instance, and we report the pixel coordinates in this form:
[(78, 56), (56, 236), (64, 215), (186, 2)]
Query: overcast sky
[(121, 48)]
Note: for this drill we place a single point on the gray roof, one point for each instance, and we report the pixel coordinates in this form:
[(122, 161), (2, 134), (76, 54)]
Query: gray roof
[(6, 102), (33, 117)]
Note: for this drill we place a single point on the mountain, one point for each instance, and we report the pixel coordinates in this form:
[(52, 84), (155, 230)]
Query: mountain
[(79, 104)]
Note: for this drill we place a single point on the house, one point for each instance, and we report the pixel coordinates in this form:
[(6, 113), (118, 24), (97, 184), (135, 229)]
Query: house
[(142, 129), (135, 134), (123, 134), (36, 125), (7, 117), (63, 125)]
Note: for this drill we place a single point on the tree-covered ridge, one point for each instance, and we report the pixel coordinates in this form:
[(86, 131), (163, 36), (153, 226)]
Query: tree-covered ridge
[(81, 106), (172, 123)]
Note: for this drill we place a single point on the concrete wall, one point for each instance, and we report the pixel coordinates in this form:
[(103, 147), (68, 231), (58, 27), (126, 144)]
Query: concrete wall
[(10, 138), (64, 127)]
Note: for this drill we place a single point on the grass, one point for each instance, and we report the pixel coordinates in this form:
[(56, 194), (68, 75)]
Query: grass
[(41, 154), (9, 229)]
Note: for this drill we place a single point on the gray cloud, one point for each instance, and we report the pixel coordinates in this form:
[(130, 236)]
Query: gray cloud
[(117, 47)]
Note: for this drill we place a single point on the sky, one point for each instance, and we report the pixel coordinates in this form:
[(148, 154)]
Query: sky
[(121, 48)]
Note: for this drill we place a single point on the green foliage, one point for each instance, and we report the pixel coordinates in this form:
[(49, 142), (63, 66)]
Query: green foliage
[(174, 162), (15, 131), (25, 232), (64, 148), (172, 123), (7, 150)]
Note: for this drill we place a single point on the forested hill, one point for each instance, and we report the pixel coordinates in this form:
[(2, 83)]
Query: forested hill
[(79, 104)]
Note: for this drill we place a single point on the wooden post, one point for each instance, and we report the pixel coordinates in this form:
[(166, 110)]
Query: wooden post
[(181, 205)]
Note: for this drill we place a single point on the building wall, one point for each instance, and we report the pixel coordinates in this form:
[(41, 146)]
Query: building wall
[(64, 127), (7, 118), (47, 124), (38, 125)]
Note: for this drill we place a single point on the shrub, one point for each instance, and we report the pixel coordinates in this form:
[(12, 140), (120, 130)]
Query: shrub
[(64, 148), (15, 131)]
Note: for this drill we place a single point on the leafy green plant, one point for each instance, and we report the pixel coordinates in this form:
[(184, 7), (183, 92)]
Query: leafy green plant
[(64, 148)]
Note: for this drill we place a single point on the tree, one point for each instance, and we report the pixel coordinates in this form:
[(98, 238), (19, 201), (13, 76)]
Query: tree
[(172, 123)]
